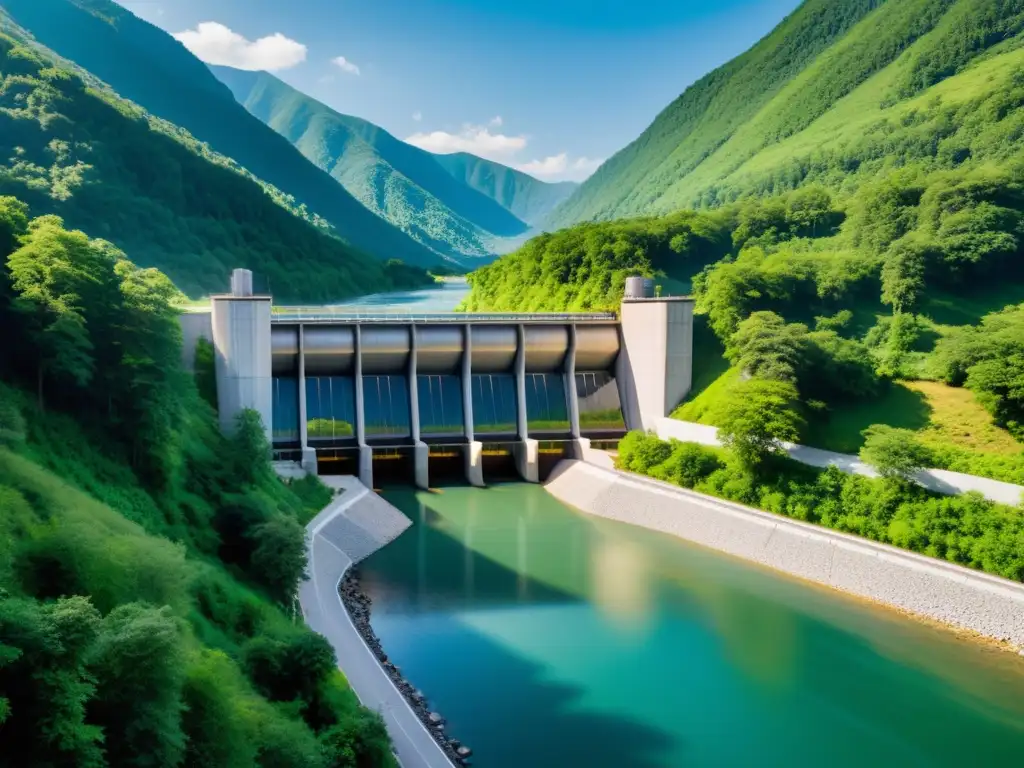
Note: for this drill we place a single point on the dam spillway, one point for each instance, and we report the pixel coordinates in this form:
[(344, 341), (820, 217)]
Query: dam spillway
[(419, 393)]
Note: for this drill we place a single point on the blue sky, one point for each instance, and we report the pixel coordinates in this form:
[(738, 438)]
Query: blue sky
[(549, 86)]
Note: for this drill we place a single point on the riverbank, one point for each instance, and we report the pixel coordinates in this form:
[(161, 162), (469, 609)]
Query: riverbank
[(349, 529), (949, 594)]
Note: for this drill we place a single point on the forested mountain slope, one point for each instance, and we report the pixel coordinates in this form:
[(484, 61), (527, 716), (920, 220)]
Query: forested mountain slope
[(146, 65), (839, 90), (72, 149), (528, 198), (399, 182), (148, 563)]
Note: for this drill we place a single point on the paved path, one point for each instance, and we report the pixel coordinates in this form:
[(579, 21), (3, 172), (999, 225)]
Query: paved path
[(938, 480), (330, 535)]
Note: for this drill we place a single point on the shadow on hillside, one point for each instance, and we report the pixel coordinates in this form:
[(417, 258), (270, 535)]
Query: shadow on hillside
[(839, 429)]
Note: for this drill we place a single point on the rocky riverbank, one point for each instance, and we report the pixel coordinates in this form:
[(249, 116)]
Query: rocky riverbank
[(358, 605)]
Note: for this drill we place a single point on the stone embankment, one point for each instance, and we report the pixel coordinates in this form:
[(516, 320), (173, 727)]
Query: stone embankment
[(351, 528), (358, 604), (957, 596)]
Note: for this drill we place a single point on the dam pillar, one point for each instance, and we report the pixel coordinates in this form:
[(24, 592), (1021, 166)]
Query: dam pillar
[(655, 365), (241, 339), (308, 454), (579, 444), (474, 449), (365, 451), (420, 451), (526, 450)]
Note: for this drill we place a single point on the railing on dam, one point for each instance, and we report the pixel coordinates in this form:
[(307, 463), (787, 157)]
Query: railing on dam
[(346, 315)]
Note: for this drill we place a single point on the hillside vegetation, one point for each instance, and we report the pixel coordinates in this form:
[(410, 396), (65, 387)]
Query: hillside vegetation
[(840, 91), (146, 65), (72, 149), (148, 564), (401, 183)]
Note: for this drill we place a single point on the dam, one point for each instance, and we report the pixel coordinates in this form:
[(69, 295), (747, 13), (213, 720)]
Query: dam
[(416, 395)]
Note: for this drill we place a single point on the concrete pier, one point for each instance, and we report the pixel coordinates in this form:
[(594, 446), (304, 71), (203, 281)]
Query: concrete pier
[(241, 340)]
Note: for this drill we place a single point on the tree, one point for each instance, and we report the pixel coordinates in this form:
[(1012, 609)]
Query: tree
[(278, 559), (139, 664), (45, 682), (250, 449), (361, 741), (289, 667), (903, 275), (765, 347), (757, 416), (894, 453)]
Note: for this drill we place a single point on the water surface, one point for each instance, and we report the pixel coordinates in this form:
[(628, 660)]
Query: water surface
[(441, 297), (550, 638)]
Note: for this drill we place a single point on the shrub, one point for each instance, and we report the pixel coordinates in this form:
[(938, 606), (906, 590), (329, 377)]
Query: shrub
[(757, 416), (894, 453)]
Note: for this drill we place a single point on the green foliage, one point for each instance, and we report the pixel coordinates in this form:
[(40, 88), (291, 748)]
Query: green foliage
[(894, 453), (205, 372), (585, 267), (104, 165), (46, 683), (757, 417), (766, 347), (278, 558), (173, 540), (967, 529), (290, 667), (138, 661), (359, 741), (989, 359)]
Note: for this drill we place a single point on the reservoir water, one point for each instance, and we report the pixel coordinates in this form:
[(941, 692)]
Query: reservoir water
[(550, 638), (441, 297)]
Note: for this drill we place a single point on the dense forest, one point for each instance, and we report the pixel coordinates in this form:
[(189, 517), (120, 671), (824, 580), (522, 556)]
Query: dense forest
[(144, 64), (99, 162), (838, 92), (147, 562), (401, 183)]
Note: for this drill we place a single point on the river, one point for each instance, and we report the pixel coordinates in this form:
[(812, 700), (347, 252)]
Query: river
[(550, 638), (441, 297)]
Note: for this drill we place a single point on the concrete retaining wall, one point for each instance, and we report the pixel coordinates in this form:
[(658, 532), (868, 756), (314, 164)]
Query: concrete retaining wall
[(942, 591)]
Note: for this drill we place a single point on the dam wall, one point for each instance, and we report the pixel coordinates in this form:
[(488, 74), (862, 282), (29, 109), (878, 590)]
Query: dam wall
[(947, 593)]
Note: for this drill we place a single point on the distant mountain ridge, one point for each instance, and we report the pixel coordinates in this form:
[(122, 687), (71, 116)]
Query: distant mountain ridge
[(146, 65), (461, 206), (520, 193)]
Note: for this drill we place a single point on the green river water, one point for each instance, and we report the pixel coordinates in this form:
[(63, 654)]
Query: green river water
[(550, 638)]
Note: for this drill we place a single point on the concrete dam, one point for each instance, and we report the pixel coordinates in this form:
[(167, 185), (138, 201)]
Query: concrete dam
[(409, 395)]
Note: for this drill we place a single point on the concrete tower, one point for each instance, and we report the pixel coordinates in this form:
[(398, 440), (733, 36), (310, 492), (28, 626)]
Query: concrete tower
[(241, 340), (655, 364)]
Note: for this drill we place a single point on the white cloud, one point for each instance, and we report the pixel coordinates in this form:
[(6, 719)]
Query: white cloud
[(216, 44), (476, 139), (560, 168), (345, 65), (487, 142)]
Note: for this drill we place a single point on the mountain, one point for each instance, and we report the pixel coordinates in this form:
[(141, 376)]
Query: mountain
[(68, 146), (399, 182), (149, 67), (839, 90), (461, 206), (526, 197)]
